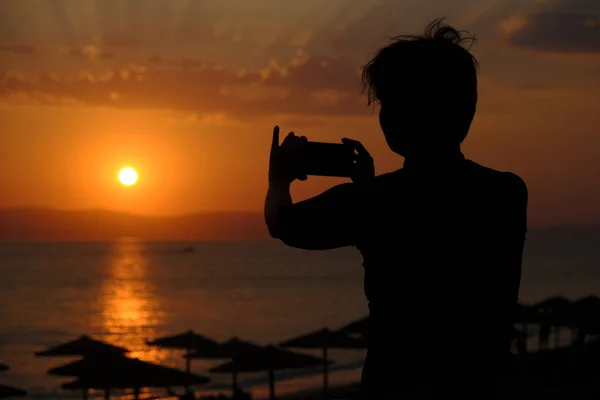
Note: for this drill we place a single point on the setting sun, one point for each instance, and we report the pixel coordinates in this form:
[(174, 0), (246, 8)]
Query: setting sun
[(128, 176)]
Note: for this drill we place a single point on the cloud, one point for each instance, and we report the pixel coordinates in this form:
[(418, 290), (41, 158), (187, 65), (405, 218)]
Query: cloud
[(90, 52), (305, 85), (557, 26), (251, 67), (127, 42), (17, 50)]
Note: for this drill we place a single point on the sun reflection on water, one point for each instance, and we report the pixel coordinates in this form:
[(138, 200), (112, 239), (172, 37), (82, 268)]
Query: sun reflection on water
[(130, 310)]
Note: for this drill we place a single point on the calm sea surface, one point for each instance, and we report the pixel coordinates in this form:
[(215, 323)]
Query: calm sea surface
[(129, 291)]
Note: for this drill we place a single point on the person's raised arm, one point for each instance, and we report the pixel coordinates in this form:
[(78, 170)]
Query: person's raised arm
[(323, 222), (283, 162)]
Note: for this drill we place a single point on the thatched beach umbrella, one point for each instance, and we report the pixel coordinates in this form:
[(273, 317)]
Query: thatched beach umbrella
[(525, 316), (325, 339), (269, 359), (568, 367), (188, 341), (358, 327), (231, 350), (9, 391), (552, 303), (584, 315), (520, 336), (586, 310), (553, 312), (82, 346), (116, 372)]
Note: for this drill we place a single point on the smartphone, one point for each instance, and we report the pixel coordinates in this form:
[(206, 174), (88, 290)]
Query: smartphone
[(328, 159)]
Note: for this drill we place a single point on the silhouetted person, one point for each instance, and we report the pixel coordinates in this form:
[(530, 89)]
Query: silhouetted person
[(441, 238)]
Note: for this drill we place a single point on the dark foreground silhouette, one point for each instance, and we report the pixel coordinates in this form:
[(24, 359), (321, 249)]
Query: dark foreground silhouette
[(562, 365), (441, 238)]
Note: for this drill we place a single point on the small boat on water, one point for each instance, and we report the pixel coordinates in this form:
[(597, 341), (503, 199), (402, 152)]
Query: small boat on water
[(188, 249)]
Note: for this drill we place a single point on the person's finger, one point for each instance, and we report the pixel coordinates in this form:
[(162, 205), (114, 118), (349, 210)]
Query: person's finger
[(351, 142), (362, 151), (290, 136), (275, 142), (361, 157), (358, 146), (303, 177)]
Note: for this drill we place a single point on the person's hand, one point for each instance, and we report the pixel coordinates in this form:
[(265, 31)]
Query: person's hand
[(364, 166), (286, 158)]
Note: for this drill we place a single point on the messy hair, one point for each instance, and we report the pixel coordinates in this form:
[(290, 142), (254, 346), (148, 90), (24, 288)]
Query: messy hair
[(439, 49)]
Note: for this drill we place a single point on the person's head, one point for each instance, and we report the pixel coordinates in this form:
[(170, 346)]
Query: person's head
[(426, 86)]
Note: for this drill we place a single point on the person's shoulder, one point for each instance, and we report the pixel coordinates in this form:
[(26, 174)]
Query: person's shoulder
[(505, 179), (369, 187), (389, 177), (382, 182)]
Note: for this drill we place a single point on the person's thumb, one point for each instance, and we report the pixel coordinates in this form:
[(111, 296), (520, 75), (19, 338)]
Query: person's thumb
[(275, 141)]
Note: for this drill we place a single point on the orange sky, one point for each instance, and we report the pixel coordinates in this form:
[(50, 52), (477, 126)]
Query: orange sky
[(187, 92)]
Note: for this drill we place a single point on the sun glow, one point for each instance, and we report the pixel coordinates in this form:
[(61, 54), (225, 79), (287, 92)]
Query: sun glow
[(128, 176)]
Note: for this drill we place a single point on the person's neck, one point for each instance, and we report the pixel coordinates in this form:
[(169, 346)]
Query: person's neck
[(433, 158)]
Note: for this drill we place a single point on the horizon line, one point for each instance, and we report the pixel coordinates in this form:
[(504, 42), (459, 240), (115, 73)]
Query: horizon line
[(231, 212), (129, 213), (134, 239)]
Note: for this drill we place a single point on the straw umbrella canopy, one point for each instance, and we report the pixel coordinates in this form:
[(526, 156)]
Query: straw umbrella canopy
[(188, 341), (527, 314), (586, 311), (231, 349), (325, 339), (552, 303), (553, 310), (269, 359), (82, 346), (584, 318), (117, 372), (9, 391), (359, 327)]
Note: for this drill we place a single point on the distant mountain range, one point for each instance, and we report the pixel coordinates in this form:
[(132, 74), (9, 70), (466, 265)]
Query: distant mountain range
[(43, 224)]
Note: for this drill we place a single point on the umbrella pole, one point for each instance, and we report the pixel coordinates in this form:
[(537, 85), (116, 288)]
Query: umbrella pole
[(188, 361), (234, 382), (84, 394), (325, 374), (233, 375), (188, 367), (106, 394), (271, 384)]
